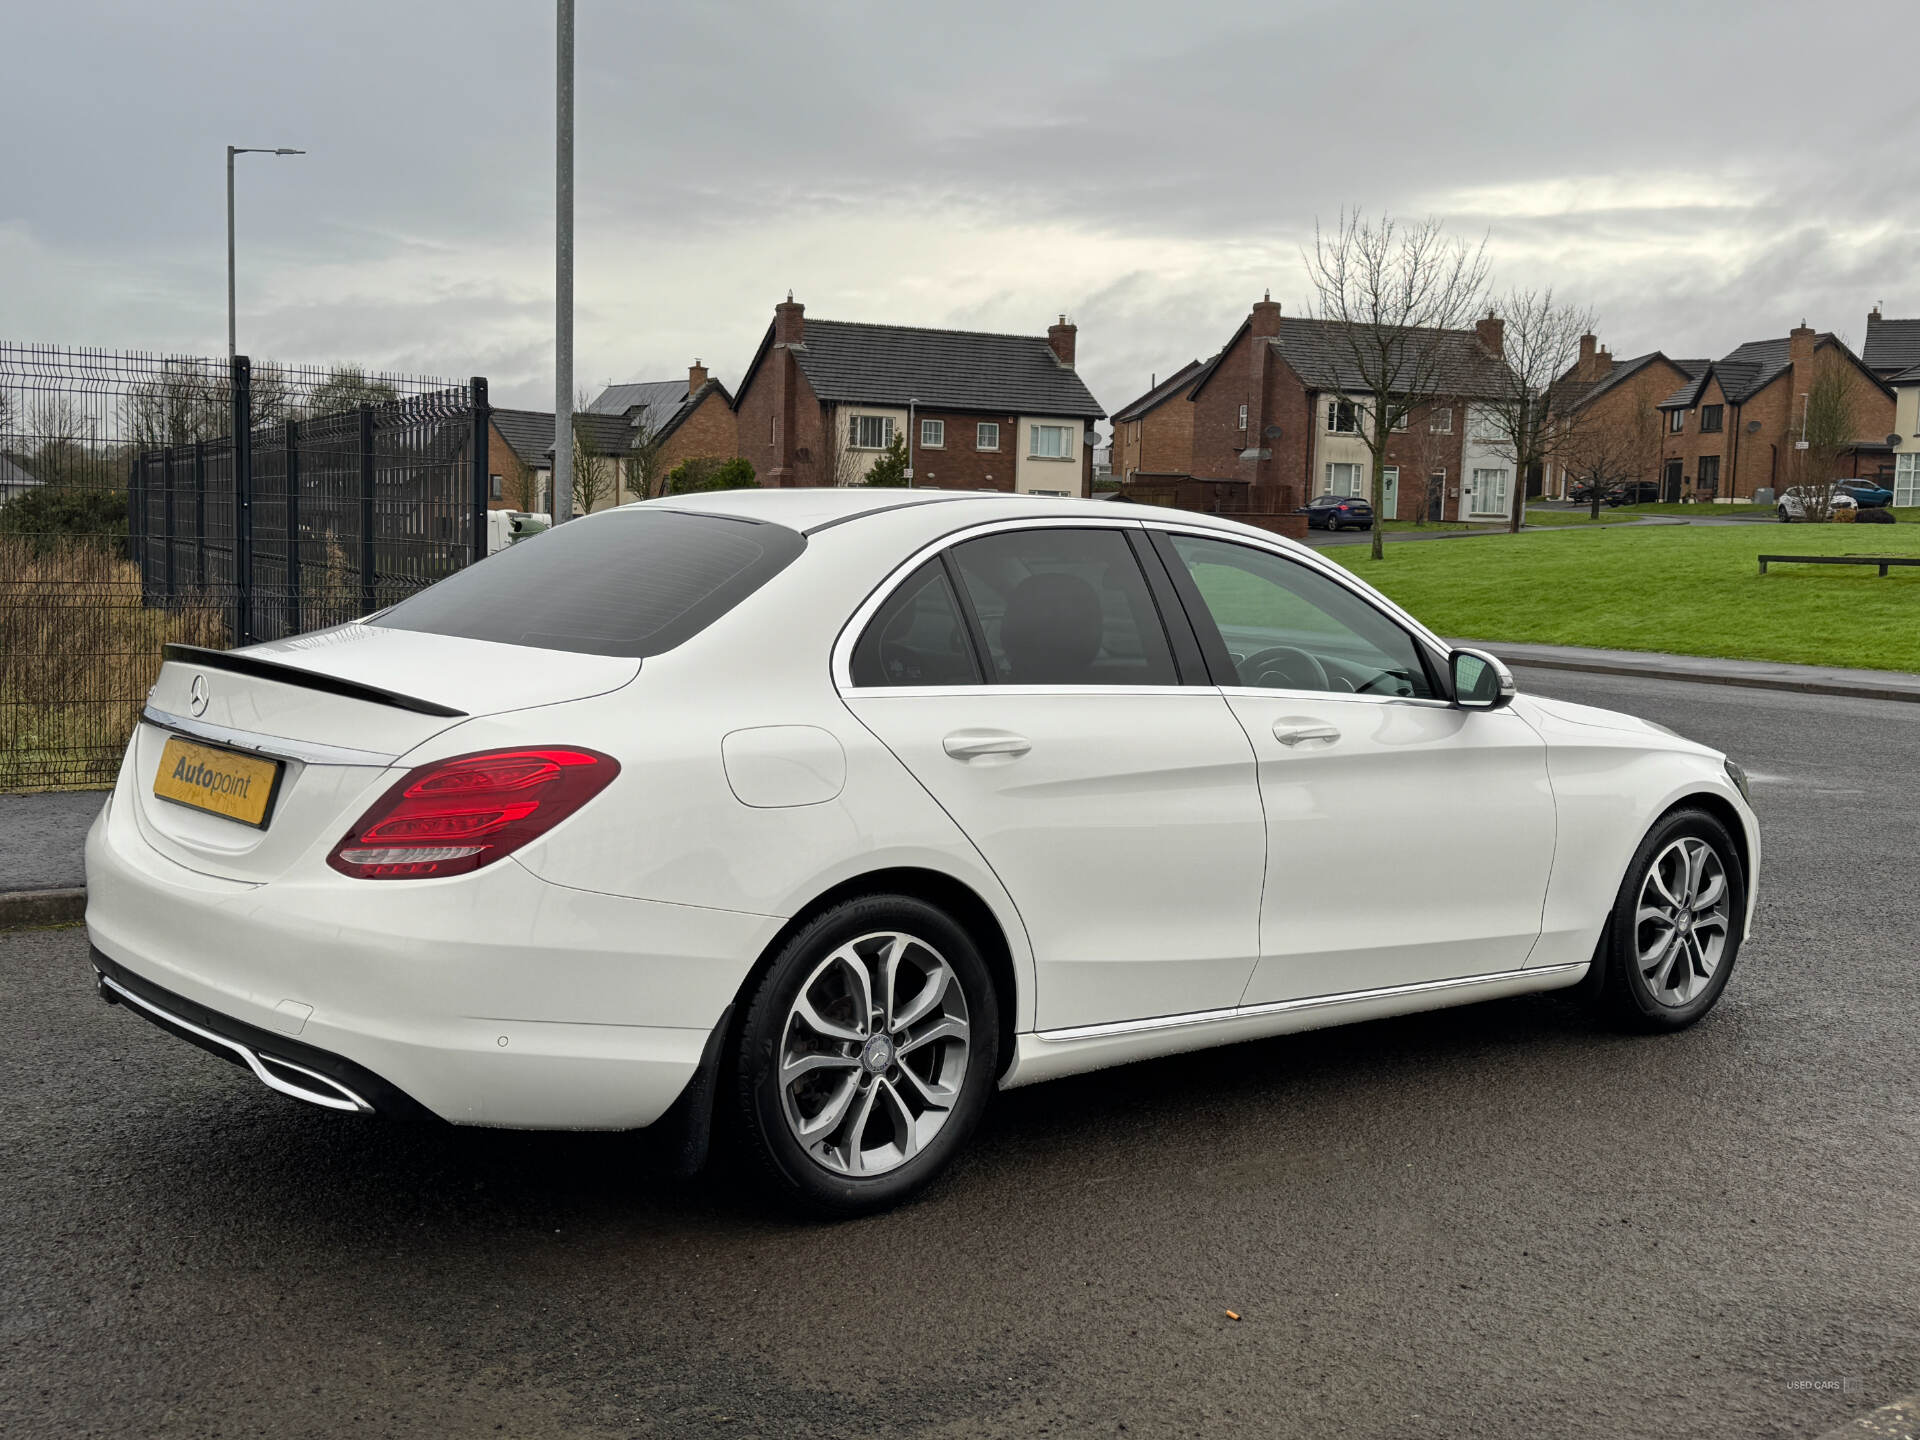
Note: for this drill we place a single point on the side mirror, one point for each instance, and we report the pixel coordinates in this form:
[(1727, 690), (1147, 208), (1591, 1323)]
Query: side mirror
[(1480, 682)]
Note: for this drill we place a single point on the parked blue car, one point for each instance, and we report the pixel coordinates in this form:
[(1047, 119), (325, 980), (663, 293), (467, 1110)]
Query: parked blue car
[(1865, 493)]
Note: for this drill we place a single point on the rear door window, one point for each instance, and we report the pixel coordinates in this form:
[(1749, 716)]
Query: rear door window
[(1064, 607), (632, 583)]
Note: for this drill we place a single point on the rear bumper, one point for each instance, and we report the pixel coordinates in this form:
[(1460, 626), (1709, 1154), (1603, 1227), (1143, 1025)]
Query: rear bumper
[(495, 998)]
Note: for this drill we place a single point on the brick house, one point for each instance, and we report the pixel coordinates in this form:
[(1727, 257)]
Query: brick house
[(693, 417), (1282, 404), (823, 399), (1892, 347), (523, 440), (1730, 430), (1153, 435), (1620, 400)]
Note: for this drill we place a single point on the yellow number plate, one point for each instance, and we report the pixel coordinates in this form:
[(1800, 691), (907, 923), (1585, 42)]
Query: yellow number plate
[(221, 782)]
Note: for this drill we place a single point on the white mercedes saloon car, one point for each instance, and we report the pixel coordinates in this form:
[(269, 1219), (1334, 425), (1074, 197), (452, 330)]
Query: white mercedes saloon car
[(817, 815)]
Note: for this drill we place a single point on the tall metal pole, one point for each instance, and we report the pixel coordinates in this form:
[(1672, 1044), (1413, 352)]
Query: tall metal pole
[(232, 349), (563, 272), (233, 150)]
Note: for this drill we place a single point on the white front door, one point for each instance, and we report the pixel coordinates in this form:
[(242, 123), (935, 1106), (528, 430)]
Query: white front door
[(1390, 507), (1407, 840), (1117, 805)]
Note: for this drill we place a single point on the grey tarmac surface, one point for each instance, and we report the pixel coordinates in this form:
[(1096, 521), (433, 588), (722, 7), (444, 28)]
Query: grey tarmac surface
[(42, 838), (1496, 1221)]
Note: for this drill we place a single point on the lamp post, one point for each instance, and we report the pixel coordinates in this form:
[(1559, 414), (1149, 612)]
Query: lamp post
[(233, 150), (912, 438), (563, 264)]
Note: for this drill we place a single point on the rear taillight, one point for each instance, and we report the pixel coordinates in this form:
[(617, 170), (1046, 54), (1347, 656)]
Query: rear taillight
[(1343, 507), (458, 814)]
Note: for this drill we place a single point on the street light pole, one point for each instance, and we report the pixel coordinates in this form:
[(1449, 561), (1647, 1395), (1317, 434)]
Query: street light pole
[(563, 270), (913, 404), (233, 150)]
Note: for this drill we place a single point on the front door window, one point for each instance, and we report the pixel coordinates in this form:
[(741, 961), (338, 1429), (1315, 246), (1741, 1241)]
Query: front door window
[(1906, 479), (1283, 626)]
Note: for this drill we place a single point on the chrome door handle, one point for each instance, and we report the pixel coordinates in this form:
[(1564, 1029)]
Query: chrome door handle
[(1292, 732), (976, 744)]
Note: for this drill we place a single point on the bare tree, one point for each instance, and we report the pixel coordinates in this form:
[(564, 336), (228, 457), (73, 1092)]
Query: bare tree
[(1384, 285), (1527, 419), (646, 474), (840, 464), (1829, 427), (520, 486), (347, 387), (594, 476), (1604, 453)]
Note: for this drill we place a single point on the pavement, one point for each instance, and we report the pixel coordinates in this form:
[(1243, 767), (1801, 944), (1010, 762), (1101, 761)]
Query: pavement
[(1498, 1221)]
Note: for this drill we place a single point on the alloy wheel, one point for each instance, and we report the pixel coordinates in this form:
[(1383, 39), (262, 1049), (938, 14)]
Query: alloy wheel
[(1682, 924), (873, 1054)]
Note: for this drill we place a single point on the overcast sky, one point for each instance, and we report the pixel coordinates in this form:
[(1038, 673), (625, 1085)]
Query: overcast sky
[(1700, 174)]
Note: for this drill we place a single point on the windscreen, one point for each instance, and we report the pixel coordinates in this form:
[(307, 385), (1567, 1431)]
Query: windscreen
[(631, 582)]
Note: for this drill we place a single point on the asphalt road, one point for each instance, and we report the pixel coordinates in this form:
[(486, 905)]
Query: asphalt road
[(1497, 1221)]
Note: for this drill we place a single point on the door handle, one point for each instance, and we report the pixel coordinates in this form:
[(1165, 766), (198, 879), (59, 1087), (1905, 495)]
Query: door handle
[(977, 744), (1295, 732)]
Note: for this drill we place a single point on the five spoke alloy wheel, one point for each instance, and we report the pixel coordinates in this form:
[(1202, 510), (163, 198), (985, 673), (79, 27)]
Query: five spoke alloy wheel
[(873, 1053)]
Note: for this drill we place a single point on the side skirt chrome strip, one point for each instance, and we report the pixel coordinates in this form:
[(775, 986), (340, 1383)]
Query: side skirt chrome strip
[(1112, 1028), (335, 1097), (308, 752)]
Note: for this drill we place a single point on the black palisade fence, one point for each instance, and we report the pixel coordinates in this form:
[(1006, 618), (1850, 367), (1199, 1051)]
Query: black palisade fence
[(147, 499)]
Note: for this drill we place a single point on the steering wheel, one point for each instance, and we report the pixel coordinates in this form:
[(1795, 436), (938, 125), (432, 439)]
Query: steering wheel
[(1283, 667)]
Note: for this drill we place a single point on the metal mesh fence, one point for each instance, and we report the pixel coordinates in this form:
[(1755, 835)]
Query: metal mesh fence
[(135, 511)]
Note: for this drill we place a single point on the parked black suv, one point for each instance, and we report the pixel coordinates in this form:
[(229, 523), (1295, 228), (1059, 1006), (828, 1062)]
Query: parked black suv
[(1634, 492)]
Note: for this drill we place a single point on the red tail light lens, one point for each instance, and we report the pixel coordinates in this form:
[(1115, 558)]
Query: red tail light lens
[(456, 815)]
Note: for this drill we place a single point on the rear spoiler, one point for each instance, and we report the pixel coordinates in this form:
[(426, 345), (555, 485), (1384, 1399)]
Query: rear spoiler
[(238, 664)]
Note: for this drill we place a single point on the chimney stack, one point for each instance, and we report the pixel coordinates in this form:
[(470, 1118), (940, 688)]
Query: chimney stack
[(696, 376), (1060, 338), (1266, 317), (1800, 344), (1873, 315), (1589, 357), (1492, 332), (789, 322)]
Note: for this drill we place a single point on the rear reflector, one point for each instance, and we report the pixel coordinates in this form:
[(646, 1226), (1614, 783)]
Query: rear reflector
[(456, 815)]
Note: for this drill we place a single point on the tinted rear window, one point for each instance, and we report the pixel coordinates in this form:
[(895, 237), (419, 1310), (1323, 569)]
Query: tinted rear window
[(630, 583)]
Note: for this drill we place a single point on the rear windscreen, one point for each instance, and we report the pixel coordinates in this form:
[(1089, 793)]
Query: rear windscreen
[(630, 582)]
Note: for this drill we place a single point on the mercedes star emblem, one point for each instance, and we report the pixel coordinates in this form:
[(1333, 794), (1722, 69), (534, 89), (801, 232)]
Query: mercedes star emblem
[(197, 695)]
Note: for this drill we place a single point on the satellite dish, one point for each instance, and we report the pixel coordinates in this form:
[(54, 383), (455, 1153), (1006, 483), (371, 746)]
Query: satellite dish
[(1753, 427), (1892, 440), (1272, 432)]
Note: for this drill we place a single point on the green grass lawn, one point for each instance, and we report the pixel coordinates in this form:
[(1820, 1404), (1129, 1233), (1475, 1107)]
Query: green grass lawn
[(1692, 590)]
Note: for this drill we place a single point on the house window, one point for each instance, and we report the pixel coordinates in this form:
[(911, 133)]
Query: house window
[(870, 432), (496, 487), (1676, 421), (1709, 419), (986, 436), (1489, 493), (1440, 420), (933, 434), (1049, 442), (1343, 417), (1906, 479), (1343, 478), (1400, 420), (1243, 417), (1708, 480)]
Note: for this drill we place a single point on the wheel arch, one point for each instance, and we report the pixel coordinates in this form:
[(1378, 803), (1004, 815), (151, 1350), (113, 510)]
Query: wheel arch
[(1723, 810), (958, 899)]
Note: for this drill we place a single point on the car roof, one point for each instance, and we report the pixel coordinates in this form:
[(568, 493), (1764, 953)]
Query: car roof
[(811, 509)]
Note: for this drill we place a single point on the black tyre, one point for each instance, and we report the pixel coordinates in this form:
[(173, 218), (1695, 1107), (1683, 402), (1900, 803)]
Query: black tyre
[(867, 1055), (1676, 926), (1785, 518)]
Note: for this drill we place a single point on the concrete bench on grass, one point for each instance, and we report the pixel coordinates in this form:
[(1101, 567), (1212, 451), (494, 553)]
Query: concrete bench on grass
[(1883, 561)]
